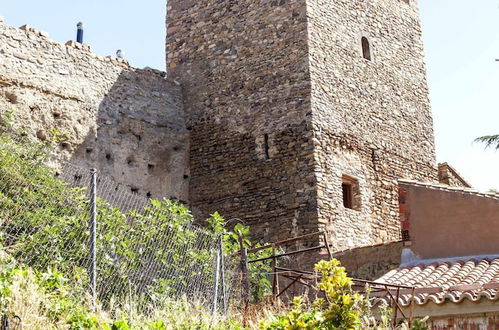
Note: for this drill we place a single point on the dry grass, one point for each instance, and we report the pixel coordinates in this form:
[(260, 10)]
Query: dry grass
[(255, 313), (35, 308), (26, 302)]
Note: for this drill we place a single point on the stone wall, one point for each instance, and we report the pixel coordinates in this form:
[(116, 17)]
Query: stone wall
[(465, 315), (244, 69), (449, 176), (372, 117), (477, 321), (371, 262), (282, 106), (377, 171), (128, 123)]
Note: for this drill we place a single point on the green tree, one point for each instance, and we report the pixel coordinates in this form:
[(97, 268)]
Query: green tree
[(490, 141)]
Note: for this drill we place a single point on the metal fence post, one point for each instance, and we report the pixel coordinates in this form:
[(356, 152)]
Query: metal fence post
[(245, 274), (246, 284), (215, 287), (222, 274), (275, 279), (5, 324), (93, 232)]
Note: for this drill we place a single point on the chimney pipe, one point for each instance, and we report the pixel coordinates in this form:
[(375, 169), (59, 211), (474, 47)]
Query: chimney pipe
[(79, 33)]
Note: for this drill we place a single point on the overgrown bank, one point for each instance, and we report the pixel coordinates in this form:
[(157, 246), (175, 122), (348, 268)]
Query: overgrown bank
[(44, 280)]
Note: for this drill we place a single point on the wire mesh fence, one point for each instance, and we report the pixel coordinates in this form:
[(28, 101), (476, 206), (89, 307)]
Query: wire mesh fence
[(144, 250)]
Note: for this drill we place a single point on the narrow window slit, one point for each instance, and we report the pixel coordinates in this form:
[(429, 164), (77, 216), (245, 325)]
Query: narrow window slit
[(366, 48), (266, 146)]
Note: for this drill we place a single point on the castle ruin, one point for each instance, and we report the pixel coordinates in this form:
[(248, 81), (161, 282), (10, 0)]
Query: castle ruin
[(290, 115), (303, 113)]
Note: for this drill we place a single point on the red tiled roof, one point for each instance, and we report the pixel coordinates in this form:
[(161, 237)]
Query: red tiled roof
[(447, 281)]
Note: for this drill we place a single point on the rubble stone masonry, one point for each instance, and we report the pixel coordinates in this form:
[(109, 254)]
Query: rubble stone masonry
[(288, 112), (292, 115), (126, 122), (449, 176), (244, 69), (371, 117)]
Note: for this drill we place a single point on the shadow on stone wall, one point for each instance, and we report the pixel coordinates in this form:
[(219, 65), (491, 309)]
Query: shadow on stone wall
[(139, 137), (127, 123)]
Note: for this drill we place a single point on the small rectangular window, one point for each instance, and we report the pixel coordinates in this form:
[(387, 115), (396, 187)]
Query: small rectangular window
[(351, 193), (347, 195), (264, 149)]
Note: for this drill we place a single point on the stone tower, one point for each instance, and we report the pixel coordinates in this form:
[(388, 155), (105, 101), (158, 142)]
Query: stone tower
[(303, 113)]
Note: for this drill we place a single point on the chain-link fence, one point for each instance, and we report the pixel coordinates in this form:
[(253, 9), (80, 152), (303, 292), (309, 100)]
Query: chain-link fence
[(119, 245)]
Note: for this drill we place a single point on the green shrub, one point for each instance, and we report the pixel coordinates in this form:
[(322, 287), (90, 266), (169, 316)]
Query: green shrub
[(45, 223), (259, 272), (340, 309), (47, 300)]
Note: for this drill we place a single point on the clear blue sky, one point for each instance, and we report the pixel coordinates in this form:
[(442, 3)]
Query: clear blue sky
[(461, 43)]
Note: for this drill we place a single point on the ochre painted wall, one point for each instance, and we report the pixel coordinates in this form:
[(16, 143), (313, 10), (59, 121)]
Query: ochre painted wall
[(443, 222)]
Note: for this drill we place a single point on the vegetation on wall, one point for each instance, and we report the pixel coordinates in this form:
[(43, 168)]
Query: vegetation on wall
[(46, 223), (45, 232), (44, 247)]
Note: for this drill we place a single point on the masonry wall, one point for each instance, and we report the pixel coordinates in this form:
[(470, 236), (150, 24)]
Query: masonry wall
[(466, 315), (128, 123), (244, 69), (371, 118), (282, 105), (371, 262), (449, 176), (478, 321), (443, 222)]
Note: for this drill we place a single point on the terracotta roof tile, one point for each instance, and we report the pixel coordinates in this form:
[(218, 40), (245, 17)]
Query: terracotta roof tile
[(450, 281)]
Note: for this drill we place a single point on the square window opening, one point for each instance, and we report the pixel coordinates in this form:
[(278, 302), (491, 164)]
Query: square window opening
[(351, 193)]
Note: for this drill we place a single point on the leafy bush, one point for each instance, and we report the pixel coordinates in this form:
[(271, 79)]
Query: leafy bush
[(340, 309), (48, 300), (259, 272), (41, 298), (44, 223)]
